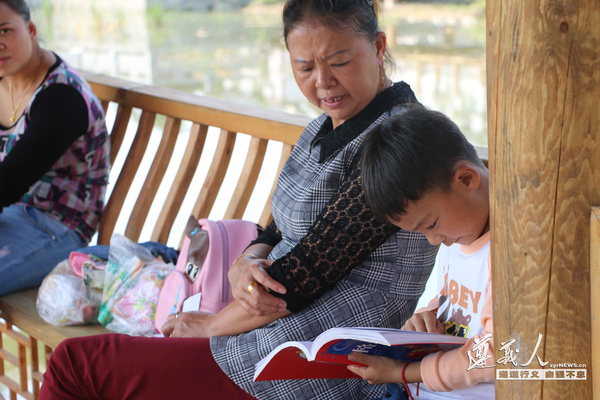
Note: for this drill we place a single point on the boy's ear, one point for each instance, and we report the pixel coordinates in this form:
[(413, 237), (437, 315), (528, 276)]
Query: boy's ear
[(466, 176)]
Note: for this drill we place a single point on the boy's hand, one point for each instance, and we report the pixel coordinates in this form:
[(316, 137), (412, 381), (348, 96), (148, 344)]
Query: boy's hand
[(378, 369), (424, 322)]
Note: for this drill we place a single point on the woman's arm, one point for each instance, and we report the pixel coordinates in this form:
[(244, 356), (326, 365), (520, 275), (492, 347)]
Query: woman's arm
[(343, 235), (57, 118), (232, 320)]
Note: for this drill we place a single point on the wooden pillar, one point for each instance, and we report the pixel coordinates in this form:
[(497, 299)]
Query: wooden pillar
[(543, 60), (595, 295)]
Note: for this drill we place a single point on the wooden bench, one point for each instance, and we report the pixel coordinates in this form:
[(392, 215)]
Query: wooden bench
[(142, 115), (139, 115)]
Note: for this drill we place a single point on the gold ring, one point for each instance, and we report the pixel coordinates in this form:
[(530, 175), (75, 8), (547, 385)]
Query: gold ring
[(251, 286)]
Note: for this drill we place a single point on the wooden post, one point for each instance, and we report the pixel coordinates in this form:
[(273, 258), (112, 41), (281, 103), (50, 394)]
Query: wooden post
[(543, 60), (595, 295)]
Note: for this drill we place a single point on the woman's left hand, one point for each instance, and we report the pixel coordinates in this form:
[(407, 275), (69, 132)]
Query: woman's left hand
[(188, 324)]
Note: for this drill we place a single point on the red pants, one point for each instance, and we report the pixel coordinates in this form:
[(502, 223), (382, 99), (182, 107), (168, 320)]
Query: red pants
[(121, 367)]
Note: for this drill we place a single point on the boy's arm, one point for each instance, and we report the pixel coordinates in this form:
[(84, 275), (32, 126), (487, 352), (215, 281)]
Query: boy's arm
[(441, 371), (232, 320)]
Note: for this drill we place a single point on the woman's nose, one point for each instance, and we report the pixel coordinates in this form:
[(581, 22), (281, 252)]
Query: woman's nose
[(324, 79)]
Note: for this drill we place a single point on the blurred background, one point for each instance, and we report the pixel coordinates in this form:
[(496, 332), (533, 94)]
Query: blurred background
[(232, 49)]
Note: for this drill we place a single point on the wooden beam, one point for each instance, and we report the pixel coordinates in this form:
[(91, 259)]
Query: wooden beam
[(544, 154)]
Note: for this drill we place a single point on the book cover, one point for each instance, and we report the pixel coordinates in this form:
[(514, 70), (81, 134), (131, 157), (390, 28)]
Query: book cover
[(327, 356)]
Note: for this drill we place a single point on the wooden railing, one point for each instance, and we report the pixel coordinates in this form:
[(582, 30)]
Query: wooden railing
[(23, 331)]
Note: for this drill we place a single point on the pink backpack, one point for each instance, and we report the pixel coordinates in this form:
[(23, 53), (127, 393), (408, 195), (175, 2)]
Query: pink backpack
[(209, 248)]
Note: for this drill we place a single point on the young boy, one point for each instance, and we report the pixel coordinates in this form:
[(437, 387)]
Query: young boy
[(421, 174)]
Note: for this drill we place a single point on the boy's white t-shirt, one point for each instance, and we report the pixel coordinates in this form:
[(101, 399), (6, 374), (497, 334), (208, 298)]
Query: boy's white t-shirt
[(463, 281), (463, 284)]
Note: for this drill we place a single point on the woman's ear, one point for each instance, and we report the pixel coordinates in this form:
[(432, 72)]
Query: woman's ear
[(380, 47), (32, 29), (467, 177)]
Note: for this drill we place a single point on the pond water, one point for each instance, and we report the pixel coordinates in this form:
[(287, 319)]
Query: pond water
[(439, 50)]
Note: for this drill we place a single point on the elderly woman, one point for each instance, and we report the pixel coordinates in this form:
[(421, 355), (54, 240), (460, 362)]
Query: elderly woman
[(54, 152), (329, 260)]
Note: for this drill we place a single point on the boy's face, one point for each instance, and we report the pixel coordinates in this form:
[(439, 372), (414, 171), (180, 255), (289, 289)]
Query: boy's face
[(459, 215)]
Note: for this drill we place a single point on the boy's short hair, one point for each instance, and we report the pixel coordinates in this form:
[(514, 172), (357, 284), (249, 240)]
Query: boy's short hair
[(409, 155)]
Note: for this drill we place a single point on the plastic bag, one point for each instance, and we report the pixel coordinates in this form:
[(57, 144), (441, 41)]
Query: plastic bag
[(63, 299), (132, 283)]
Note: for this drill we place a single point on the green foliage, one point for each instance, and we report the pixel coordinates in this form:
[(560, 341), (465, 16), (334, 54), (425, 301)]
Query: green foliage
[(155, 15), (47, 9)]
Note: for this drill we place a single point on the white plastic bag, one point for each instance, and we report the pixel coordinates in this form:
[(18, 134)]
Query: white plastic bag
[(63, 299), (132, 283)]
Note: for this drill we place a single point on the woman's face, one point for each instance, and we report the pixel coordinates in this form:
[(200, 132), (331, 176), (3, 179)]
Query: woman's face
[(336, 70), (16, 41)]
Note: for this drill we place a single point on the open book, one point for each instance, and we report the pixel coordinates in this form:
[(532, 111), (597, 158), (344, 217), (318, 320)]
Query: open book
[(327, 355)]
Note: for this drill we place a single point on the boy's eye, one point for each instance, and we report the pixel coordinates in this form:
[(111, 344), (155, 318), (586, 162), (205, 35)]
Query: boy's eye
[(432, 225), (340, 64)]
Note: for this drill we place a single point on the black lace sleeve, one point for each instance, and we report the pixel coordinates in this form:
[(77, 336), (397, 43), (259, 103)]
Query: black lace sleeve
[(343, 235), (270, 236)]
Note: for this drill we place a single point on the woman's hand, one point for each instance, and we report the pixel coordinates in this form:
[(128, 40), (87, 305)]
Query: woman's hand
[(188, 324), (377, 369), (257, 301), (425, 321)]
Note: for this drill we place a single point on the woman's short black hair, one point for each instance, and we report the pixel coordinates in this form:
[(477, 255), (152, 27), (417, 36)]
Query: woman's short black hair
[(360, 14), (409, 155), (20, 7)]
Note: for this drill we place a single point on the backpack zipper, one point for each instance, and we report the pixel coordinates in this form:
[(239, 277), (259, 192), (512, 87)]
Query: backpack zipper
[(225, 250)]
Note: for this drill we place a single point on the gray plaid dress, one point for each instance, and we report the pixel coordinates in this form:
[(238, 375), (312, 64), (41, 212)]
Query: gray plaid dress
[(341, 266)]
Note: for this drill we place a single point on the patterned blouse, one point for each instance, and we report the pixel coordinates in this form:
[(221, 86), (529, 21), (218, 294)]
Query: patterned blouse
[(56, 156), (341, 266)]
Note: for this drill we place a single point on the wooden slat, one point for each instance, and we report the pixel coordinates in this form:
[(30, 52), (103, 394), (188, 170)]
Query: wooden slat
[(153, 179), (105, 104), (117, 134), (14, 388), (181, 183), (2, 351), (595, 297), (248, 177), (266, 217), (15, 335), (34, 366), (130, 167), (9, 357), (22, 351), (215, 176)]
